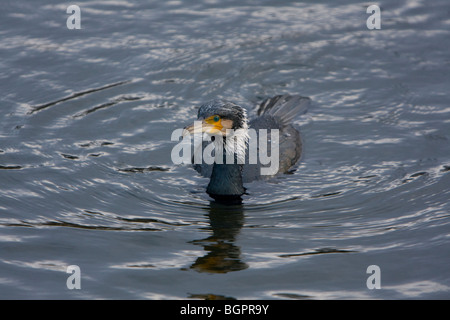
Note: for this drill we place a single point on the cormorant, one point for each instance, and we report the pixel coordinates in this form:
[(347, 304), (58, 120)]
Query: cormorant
[(228, 121)]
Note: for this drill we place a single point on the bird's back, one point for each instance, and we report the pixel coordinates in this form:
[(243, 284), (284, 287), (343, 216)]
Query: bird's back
[(273, 113)]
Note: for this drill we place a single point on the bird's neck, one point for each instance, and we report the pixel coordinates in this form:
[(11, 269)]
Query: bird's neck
[(226, 179)]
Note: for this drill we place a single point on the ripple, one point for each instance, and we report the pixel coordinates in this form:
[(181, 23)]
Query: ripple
[(73, 96)]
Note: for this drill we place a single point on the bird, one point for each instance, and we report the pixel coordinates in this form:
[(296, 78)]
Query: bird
[(228, 127)]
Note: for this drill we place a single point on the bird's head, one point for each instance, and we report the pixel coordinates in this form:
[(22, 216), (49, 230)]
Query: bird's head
[(219, 117), (225, 119)]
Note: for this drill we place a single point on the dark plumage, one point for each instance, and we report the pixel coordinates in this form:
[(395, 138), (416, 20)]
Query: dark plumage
[(226, 180)]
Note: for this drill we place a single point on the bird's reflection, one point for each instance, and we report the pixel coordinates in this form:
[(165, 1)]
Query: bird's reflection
[(222, 254)]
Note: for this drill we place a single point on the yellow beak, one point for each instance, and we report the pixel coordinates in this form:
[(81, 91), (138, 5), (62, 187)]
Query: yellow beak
[(207, 126)]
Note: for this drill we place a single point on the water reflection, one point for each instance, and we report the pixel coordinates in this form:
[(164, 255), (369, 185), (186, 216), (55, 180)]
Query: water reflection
[(222, 254)]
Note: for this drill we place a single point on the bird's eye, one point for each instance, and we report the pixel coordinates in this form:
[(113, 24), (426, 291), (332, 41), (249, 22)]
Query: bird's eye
[(216, 118)]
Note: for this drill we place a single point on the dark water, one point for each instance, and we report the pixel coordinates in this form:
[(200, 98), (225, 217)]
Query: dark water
[(85, 171)]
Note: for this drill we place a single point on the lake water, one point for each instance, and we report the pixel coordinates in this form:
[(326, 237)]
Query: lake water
[(86, 176)]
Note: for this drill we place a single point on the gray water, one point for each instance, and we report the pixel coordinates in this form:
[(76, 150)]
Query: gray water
[(86, 176)]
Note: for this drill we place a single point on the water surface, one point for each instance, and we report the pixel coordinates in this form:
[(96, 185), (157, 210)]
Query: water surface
[(85, 171)]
